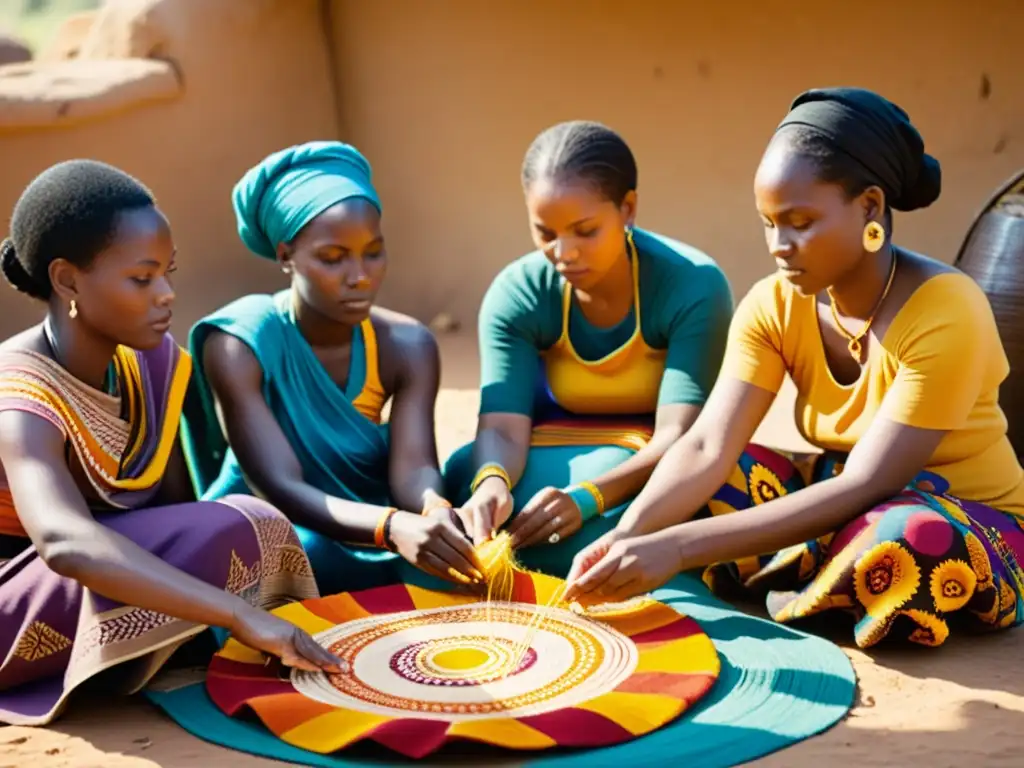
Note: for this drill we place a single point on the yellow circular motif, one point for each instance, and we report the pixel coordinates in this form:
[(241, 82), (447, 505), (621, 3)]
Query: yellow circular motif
[(979, 562), (886, 577), (952, 585), (460, 659), (764, 485), (930, 630)]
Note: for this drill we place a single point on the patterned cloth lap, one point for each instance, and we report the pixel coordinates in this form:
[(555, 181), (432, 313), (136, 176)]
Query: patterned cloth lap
[(910, 564)]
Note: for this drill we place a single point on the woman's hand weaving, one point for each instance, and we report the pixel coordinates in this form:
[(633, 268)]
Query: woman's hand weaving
[(433, 544), (487, 509), (616, 568), (550, 516)]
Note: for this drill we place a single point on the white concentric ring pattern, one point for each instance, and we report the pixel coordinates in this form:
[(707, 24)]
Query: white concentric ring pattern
[(577, 659)]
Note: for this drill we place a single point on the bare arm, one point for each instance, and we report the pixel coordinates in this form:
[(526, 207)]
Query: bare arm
[(503, 438), (73, 544), (882, 464), (415, 478), (263, 451), (696, 466)]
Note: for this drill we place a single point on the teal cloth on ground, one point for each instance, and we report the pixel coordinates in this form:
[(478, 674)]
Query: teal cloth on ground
[(777, 686), (685, 308), (275, 199), (342, 453), (557, 466)]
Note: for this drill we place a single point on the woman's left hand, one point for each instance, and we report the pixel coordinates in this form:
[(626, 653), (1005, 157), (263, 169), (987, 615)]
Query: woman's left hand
[(550, 516), (630, 567)]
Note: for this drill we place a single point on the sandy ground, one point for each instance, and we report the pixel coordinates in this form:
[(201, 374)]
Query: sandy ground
[(960, 704)]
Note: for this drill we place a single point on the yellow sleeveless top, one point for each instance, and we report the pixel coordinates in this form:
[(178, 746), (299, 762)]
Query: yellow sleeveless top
[(623, 382), (371, 398)]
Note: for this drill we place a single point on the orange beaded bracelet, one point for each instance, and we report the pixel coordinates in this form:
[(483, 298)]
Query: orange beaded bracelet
[(381, 539)]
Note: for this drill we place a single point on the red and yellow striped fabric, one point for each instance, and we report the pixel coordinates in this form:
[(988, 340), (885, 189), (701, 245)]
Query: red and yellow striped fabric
[(427, 667)]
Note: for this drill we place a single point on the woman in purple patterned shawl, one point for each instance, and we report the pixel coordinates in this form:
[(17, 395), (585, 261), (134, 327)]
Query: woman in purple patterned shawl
[(106, 558)]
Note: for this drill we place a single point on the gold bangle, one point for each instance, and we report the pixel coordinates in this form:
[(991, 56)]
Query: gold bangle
[(380, 532), (490, 470), (596, 493)]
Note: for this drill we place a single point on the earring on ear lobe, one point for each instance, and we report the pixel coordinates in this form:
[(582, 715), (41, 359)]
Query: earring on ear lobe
[(73, 310), (874, 237)]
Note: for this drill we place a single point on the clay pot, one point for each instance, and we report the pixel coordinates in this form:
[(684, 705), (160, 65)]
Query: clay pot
[(993, 254)]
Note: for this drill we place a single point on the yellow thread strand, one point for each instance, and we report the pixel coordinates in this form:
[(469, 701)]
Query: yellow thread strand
[(497, 558)]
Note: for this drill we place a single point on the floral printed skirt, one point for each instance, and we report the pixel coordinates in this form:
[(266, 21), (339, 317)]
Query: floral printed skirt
[(911, 565)]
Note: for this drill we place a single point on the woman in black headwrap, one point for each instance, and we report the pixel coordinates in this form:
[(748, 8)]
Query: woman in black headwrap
[(914, 509)]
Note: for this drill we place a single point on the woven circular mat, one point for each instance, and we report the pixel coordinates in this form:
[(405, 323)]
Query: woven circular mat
[(776, 686), (426, 667)]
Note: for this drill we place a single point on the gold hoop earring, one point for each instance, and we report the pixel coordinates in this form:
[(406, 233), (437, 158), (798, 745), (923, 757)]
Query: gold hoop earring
[(73, 311), (874, 237)]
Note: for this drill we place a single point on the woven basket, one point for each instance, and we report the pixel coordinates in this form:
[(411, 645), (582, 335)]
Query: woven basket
[(993, 254)]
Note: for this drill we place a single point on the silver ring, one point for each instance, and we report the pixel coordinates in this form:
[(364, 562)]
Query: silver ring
[(554, 538), (557, 520)]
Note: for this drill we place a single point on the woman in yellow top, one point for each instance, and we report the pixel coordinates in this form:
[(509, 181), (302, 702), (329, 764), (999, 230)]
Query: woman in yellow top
[(914, 509)]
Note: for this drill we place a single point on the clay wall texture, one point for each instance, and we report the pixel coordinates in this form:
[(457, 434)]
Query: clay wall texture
[(444, 97)]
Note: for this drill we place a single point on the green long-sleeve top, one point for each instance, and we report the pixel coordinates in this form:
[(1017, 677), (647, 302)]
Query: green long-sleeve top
[(685, 308)]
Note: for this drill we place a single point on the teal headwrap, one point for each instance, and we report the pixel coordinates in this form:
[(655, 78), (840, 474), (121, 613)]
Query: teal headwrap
[(290, 188)]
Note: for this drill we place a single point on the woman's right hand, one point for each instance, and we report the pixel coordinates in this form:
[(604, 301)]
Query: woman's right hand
[(295, 647), (487, 509), (433, 544), (592, 554)]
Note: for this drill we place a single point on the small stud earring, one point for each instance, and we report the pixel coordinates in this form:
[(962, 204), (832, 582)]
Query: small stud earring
[(73, 311)]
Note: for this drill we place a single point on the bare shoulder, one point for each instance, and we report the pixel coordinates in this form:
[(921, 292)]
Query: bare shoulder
[(28, 435), (402, 336), (226, 358)]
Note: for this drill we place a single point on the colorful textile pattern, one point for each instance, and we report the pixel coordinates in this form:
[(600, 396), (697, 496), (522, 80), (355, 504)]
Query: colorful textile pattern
[(428, 667), (911, 562), (122, 443), (55, 634)]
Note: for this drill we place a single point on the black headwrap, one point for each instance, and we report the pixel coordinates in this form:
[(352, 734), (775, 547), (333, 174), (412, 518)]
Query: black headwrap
[(878, 135)]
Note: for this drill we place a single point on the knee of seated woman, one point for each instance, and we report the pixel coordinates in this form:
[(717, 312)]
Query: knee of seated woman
[(251, 506)]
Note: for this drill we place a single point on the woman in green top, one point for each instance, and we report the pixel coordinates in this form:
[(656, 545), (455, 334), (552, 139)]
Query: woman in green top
[(597, 352)]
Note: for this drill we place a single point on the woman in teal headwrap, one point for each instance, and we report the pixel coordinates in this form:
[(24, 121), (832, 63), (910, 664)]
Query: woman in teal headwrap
[(288, 389)]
